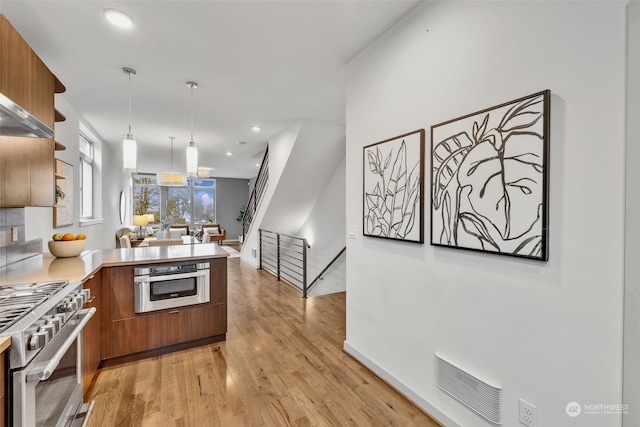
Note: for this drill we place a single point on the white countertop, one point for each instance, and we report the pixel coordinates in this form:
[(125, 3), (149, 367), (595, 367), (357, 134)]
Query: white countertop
[(46, 267)]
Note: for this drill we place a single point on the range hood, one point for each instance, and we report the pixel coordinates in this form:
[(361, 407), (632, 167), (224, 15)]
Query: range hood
[(16, 121)]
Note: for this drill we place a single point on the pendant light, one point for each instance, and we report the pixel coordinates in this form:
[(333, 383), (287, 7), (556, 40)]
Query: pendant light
[(129, 147), (171, 179), (192, 148)]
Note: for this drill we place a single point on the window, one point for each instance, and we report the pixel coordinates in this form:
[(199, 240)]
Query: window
[(193, 204), (86, 177)]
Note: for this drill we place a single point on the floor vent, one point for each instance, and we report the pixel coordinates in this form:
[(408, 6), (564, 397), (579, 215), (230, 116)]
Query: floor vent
[(476, 394)]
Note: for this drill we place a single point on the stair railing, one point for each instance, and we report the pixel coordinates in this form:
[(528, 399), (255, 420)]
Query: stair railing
[(285, 257), (256, 194), (324, 270)]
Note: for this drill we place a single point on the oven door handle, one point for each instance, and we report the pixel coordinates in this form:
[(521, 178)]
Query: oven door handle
[(42, 371), (166, 277)]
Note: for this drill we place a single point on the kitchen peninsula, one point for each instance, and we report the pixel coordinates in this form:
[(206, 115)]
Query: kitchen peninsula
[(119, 331)]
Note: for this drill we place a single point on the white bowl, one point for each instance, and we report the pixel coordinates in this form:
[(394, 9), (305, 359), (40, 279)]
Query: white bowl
[(66, 248)]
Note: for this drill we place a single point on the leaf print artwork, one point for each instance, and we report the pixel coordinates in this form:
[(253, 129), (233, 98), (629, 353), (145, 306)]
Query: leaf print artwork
[(489, 179), (393, 189)]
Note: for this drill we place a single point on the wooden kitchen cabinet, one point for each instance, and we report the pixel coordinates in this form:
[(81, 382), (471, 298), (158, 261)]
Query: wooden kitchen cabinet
[(26, 164), (91, 335), (124, 332), (2, 388)]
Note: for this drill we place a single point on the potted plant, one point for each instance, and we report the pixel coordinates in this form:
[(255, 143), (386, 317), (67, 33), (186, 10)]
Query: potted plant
[(165, 225), (59, 193)]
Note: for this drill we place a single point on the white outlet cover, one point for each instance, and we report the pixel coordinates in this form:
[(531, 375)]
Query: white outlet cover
[(528, 415), (351, 233)]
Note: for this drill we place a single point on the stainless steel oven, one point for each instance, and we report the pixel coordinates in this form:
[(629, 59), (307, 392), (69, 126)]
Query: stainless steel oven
[(161, 287), (45, 357)]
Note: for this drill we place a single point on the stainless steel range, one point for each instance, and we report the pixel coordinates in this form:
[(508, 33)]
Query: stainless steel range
[(45, 322)]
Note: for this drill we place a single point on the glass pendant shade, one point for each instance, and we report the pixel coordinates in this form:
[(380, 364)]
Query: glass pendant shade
[(171, 179), (129, 153), (192, 148), (192, 159)]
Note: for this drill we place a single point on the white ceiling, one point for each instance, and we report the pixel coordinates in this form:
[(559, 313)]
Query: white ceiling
[(268, 63)]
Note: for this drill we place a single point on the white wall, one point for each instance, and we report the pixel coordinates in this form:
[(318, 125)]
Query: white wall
[(325, 227), (110, 181), (631, 376), (550, 333)]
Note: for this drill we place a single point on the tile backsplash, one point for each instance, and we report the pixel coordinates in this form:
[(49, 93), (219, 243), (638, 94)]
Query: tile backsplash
[(12, 252)]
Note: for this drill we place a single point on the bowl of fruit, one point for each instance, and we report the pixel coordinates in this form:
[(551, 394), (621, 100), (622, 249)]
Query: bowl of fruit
[(66, 245)]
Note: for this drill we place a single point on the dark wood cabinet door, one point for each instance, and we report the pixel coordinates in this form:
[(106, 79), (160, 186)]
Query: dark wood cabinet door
[(91, 335), (26, 164), (124, 332)]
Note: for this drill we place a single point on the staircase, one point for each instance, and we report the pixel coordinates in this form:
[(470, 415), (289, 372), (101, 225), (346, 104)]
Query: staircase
[(256, 194), (301, 191)]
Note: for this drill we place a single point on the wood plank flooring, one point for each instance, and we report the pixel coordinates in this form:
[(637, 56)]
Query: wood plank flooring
[(281, 365)]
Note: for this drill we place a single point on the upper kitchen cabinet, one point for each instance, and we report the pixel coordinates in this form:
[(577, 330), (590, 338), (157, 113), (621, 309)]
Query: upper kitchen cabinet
[(26, 164)]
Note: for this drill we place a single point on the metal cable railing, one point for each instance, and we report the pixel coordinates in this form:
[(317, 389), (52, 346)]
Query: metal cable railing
[(258, 189), (285, 256), (319, 276)]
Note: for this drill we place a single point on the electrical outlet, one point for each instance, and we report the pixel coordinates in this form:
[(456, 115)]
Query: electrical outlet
[(14, 234), (528, 414)]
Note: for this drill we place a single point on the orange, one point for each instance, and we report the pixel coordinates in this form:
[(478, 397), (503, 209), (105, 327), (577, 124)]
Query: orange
[(68, 236), (81, 236)]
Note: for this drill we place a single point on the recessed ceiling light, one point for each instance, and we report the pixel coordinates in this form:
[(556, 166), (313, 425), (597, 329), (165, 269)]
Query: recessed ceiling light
[(258, 165), (229, 153), (255, 128), (118, 18)]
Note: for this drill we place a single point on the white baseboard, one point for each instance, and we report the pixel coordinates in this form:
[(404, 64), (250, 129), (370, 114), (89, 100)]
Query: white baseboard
[(399, 386), (252, 262)]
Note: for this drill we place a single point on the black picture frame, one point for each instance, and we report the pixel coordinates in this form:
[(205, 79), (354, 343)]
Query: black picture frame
[(489, 179), (393, 188)]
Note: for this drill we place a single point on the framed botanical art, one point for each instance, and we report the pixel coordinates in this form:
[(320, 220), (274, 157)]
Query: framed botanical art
[(489, 177), (393, 188)]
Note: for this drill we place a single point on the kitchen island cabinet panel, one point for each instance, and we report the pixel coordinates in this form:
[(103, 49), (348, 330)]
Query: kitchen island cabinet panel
[(153, 331), (122, 293), (124, 332), (91, 335), (218, 278)]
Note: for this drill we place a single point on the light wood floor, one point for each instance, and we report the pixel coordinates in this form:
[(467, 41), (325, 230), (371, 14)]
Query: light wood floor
[(281, 365)]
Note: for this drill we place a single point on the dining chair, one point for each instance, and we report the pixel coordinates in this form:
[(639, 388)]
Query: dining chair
[(125, 242), (165, 242)]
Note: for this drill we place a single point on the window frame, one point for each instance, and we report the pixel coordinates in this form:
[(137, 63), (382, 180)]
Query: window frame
[(164, 196), (86, 159)]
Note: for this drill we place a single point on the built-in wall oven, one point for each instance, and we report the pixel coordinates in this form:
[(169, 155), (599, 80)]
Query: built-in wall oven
[(161, 287), (45, 322)]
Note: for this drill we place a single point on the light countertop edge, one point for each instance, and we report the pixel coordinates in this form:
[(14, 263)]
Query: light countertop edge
[(5, 343), (46, 267)]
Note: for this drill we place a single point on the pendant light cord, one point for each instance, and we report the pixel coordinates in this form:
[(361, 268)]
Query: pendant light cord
[(129, 103), (129, 71), (172, 138), (191, 115)]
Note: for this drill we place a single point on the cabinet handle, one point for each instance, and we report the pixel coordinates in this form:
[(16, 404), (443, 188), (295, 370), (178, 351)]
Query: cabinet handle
[(174, 312)]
